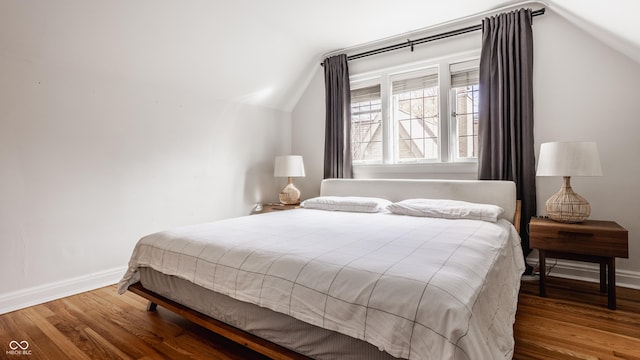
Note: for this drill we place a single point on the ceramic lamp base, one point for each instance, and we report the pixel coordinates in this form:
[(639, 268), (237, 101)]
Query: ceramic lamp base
[(289, 195), (566, 206)]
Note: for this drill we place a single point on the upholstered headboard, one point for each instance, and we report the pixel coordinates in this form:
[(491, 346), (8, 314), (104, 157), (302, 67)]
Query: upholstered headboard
[(501, 193)]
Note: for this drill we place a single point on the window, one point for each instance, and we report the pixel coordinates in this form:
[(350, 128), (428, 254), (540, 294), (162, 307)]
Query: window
[(366, 124), (465, 90), (397, 115), (415, 116)]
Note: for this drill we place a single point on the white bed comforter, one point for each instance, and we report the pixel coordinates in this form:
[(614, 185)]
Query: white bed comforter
[(418, 288)]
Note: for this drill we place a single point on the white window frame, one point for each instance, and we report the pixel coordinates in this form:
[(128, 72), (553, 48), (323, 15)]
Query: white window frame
[(367, 82), (447, 162), (471, 63), (398, 76)]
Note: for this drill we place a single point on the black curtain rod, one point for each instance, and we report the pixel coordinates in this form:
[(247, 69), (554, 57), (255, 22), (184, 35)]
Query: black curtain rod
[(412, 43)]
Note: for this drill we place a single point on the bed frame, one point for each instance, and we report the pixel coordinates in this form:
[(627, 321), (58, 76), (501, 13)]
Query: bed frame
[(501, 193)]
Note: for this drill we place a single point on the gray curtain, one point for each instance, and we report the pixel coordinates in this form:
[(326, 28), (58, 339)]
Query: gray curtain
[(337, 138), (506, 148)]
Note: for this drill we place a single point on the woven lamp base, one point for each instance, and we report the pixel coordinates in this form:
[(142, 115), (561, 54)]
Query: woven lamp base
[(289, 195), (566, 206)]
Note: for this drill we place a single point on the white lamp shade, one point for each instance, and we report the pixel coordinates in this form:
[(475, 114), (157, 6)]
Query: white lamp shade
[(289, 166), (578, 158)]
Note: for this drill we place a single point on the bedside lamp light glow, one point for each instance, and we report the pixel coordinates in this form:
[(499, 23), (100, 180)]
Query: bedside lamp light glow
[(289, 166), (568, 159)]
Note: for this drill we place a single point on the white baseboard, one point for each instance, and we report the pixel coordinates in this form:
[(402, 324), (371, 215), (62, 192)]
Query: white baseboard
[(586, 271), (40, 294)]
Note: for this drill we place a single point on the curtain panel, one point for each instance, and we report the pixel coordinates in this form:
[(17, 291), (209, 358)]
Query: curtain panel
[(337, 139), (506, 146)]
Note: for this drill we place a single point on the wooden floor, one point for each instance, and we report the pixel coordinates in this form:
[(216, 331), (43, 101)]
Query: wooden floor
[(572, 323)]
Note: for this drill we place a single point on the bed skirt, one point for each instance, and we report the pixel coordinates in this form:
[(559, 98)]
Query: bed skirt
[(281, 329)]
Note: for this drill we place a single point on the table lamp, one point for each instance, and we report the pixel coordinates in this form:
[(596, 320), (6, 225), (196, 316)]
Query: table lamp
[(289, 166), (568, 159)]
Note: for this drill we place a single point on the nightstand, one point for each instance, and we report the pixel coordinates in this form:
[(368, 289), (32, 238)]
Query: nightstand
[(591, 241), (274, 207)]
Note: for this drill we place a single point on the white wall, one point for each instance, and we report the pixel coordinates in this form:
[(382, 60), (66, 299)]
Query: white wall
[(308, 135), (584, 90), (91, 160)]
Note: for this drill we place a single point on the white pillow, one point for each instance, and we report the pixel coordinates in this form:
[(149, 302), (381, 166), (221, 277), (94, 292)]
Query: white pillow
[(446, 209), (347, 203)]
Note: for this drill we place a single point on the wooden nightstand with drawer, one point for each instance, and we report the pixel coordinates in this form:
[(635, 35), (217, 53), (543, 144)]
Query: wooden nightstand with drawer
[(591, 241)]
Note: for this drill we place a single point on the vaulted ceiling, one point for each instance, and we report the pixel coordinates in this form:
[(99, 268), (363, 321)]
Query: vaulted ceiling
[(253, 51)]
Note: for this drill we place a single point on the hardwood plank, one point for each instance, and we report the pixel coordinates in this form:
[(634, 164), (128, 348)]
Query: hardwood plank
[(139, 324), (574, 323), (589, 317), (528, 349), (60, 339), (108, 331), (69, 320), (110, 349), (20, 327), (577, 338)]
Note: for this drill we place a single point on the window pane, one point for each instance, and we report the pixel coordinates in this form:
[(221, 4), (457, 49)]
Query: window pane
[(366, 125), (467, 121), (415, 114)]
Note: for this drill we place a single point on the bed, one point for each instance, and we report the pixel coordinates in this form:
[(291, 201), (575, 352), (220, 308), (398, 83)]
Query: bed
[(313, 283)]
